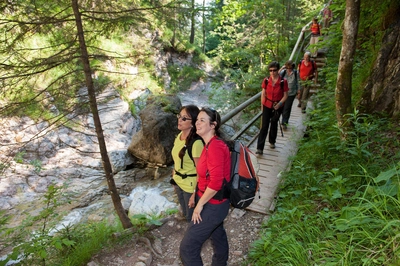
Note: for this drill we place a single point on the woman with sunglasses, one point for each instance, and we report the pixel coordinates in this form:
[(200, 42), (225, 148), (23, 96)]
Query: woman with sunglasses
[(211, 206), (185, 153), (273, 96)]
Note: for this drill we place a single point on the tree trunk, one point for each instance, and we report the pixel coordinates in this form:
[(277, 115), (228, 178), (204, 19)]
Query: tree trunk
[(204, 26), (382, 92), (192, 27), (344, 79), (126, 223)]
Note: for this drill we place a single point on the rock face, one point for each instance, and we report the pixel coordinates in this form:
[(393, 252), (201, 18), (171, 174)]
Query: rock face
[(154, 142), (382, 92)]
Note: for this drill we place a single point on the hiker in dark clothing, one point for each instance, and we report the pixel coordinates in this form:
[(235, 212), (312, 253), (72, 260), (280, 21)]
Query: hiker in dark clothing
[(289, 72)]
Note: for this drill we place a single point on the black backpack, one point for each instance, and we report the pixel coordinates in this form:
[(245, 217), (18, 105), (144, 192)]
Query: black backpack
[(189, 148), (244, 182), (189, 151)]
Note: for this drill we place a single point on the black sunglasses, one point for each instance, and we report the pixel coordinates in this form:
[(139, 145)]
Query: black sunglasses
[(183, 118), (208, 109)]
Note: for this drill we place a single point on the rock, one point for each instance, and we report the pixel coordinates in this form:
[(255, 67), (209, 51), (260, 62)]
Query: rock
[(237, 213), (146, 258), (154, 142), (148, 201)]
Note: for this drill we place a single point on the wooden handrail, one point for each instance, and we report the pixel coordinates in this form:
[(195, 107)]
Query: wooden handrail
[(239, 108)]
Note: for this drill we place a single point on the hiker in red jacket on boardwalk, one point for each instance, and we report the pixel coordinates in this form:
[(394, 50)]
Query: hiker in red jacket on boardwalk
[(273, 96), (308, 73)]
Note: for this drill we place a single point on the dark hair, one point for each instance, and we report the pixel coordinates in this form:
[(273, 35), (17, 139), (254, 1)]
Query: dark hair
[(192, 111), (274, 64), (214, 118), (289, 63)]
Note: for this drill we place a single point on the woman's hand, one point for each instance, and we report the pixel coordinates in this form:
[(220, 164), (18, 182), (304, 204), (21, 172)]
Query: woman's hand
[(191, 201), (196, 217), (277, 105)]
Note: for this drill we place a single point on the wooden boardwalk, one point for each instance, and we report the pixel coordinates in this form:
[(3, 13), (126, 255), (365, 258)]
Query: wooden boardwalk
[(275, 161)]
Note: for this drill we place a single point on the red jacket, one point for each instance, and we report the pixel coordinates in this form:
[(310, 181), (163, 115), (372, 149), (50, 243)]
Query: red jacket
[(307, 72), (273, 93), (315, 29), (214, 165)]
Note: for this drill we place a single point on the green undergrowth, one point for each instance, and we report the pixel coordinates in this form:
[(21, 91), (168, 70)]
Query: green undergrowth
[(41, 240), (339, 203)]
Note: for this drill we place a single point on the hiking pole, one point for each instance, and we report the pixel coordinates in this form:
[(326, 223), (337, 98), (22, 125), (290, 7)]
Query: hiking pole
[(280, 125)]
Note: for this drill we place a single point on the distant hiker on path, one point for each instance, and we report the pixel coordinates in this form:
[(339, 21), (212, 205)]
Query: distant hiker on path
[(315, 29), (289, 72), (273, 96), (185, 153), (307, 69), (327, 15), (211, 208)]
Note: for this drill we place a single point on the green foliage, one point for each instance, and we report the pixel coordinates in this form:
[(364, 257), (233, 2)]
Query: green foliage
[(37, 164), (38, 242), (338, 205), (34, 240), (19, 157), (182, 77), (142, 221), (88, 239)]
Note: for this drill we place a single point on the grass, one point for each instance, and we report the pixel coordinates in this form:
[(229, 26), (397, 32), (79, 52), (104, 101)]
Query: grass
[(90, 239), (340, 209)]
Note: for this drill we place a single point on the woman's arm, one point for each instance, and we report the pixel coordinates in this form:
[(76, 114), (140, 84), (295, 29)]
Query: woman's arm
[(208, 194), (262, 98)]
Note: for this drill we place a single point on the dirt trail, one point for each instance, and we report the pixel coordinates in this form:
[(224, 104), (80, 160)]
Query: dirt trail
[(242, 228)]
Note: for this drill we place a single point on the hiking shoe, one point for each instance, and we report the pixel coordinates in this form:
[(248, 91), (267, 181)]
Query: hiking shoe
[(299, 105), (259, 152), (272, 145), (284, 126), (303, 111)]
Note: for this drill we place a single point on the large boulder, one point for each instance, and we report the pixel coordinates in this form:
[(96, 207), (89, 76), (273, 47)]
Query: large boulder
[(154, 142)]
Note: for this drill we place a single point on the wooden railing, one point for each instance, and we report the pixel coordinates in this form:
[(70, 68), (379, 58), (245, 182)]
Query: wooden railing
[(237, 110)]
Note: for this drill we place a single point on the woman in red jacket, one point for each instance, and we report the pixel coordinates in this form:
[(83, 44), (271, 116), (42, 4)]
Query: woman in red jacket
[(273, 96), (211, 207)]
